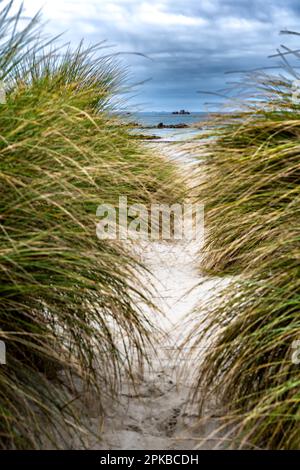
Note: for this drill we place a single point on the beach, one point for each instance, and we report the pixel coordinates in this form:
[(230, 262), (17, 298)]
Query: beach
[(157, 412)]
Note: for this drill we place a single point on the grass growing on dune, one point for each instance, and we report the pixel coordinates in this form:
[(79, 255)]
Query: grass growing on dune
[(68, 300), (252, 199)]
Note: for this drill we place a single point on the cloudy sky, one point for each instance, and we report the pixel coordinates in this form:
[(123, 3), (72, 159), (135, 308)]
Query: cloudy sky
[(190, 44)]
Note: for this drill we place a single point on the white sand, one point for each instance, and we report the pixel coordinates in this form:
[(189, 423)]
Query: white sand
[(157, 414)]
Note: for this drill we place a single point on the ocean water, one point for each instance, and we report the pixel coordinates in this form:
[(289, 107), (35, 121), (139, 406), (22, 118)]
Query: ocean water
[(154, 118)]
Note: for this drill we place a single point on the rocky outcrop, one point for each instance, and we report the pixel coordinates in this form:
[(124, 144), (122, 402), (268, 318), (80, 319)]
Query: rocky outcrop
[(182, 111), (181, 125)]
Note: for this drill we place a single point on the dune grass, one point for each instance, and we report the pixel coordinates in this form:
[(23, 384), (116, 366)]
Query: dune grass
[(252, 197), (71, 305)]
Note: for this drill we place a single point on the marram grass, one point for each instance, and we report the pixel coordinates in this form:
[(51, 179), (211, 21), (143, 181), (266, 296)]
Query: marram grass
[(252, 195), (69, 302)]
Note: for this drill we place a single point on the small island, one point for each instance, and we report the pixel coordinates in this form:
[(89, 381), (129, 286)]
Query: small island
[(182, 111)]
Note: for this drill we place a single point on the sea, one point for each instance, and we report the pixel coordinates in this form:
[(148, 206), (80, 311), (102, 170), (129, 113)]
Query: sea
[(152, 119)]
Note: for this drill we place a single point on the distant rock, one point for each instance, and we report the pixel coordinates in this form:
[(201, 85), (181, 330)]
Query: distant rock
[(182, 111), (181, 125), (132, 124), (147, 136)]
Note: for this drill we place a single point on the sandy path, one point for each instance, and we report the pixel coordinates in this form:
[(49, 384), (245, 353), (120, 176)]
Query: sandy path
[(157, 413), (152, 416)]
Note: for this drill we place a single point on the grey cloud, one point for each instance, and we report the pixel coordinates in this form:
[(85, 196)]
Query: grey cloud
[(192, 43)]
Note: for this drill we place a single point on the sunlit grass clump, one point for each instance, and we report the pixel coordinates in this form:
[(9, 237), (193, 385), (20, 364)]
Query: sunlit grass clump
[(252, 196), (69, 302)]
